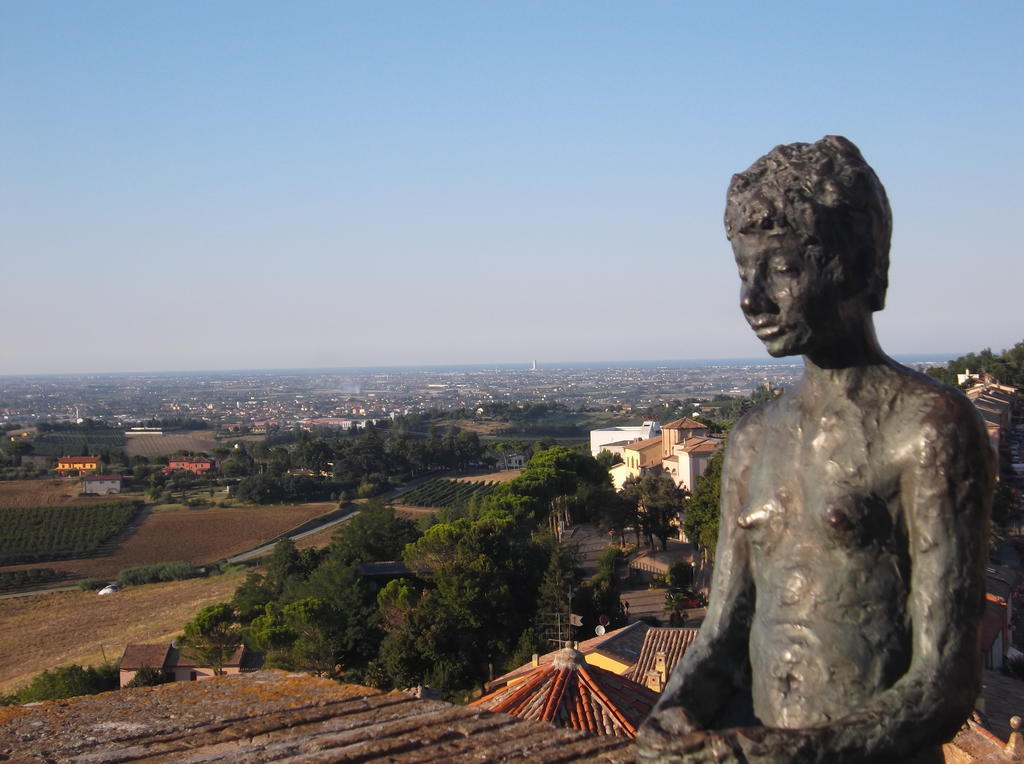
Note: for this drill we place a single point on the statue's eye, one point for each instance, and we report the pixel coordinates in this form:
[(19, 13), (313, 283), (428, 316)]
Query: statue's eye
[(785, 268)]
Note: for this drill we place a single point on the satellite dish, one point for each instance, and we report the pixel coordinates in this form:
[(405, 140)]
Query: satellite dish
[(599, 631)]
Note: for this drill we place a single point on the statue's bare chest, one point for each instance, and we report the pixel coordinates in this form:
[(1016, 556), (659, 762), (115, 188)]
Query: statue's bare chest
[(826, 488)]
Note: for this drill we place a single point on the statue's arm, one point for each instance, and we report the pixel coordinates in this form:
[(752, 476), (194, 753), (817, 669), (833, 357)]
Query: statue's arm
[(706, 679), (946, 489)]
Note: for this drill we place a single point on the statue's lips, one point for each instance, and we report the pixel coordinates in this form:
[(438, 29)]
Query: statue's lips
[(768, 332)]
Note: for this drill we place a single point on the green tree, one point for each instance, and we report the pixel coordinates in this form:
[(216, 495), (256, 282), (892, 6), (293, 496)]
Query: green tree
[(303, 636), (374, 535), (395, 601), (212, 637), (660, 503), (287, 564), (147, 676), (702, 509)]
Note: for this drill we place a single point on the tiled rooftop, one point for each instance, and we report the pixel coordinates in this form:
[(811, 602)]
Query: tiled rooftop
[(622, 645), (273, 716), (670, 641), (684, 424), (137, 655), (570, 693)]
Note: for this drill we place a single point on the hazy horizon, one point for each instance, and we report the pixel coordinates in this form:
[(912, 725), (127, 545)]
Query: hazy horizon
[(247, 185), (907, 358)]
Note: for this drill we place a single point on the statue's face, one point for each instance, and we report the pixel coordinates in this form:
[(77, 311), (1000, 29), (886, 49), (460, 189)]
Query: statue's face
[(793, 308)]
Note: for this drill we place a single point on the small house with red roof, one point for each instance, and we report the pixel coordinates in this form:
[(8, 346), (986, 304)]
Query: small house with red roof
[(194, 464)]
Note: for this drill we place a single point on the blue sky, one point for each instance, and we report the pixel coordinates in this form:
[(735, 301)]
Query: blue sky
[(191, 185)]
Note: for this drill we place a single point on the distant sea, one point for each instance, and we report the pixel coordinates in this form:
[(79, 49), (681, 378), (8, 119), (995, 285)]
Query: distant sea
[(938, 359)]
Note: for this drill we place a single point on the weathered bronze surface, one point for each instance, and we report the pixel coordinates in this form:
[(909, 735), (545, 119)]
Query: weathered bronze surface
[(849, 574)]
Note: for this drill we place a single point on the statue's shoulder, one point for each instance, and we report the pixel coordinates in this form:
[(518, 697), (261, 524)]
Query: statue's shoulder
[(932, 409), (756, 423)]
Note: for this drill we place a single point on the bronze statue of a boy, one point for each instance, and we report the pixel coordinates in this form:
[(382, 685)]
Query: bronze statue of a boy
[(849, 574)]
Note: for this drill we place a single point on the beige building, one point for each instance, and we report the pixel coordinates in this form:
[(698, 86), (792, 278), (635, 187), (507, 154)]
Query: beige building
[(170, 659), (682, 449), (637, 457)]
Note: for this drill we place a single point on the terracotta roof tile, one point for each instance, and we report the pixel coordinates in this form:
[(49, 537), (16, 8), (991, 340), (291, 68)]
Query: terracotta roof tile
[(639, 445), (136, 656), (671, 641), (684, 424), (572, 694), (701, 445), (622, 645)]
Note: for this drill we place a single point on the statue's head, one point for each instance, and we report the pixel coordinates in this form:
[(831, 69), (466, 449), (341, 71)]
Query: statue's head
[(810, 225)]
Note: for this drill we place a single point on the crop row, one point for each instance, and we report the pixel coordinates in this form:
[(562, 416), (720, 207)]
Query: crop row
[(444, 493), (34, 534), (73, 443), (16, 580)]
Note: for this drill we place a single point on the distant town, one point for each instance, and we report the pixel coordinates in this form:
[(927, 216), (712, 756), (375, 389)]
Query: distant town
[(249, 400)]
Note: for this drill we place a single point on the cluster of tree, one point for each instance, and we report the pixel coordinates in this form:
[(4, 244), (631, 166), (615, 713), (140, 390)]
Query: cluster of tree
[(484, 578), (1006, 367), (86, 425), (175, 423), (301, 466), (65, 682)]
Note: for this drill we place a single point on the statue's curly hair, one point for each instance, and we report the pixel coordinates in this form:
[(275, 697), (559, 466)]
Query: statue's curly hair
[(825, 193)]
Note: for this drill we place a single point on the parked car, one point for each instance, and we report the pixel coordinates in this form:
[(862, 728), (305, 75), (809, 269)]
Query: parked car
[(110, 589), (685, 598)]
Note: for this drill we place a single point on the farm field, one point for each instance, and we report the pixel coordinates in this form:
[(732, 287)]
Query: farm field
[(46, 630), (445, 492), (491, 477), (70, 443), (41, 534), (198, 536), (43, 493), (165, 445)]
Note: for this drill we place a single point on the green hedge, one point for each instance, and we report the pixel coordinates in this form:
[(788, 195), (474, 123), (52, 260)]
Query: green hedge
[(162, 571)]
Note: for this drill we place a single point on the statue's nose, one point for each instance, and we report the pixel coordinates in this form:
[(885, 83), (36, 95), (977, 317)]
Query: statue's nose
[(752, 297)]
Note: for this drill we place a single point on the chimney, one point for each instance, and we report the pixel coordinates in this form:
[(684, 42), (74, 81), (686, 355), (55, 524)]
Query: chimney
[(536, 659), (659, 665), (653, 681)]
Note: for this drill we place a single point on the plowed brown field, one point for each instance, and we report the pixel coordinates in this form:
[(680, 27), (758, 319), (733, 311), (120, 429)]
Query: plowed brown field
[(47, 630)]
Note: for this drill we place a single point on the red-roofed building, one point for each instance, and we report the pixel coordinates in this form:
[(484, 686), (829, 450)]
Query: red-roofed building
[(616, 651), (572, 694), (77, 465), (194, 464)]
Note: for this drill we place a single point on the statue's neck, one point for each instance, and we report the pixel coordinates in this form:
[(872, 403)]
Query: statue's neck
[(840, 366)]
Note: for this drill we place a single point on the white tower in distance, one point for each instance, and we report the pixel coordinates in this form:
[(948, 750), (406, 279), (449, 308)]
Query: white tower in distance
[(534, 367)]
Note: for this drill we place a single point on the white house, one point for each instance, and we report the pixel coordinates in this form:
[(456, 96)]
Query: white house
[(618, 436)]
